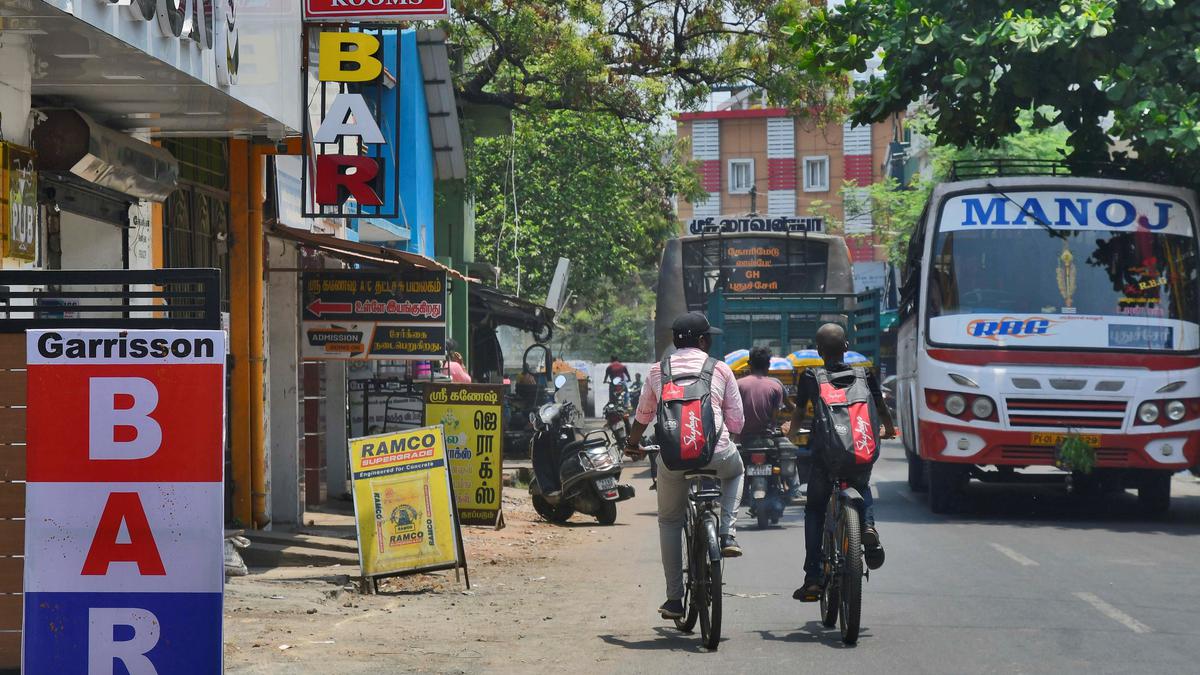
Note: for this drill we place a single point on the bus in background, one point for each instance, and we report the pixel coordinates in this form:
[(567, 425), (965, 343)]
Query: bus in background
[(749, 256), (1036, 309)]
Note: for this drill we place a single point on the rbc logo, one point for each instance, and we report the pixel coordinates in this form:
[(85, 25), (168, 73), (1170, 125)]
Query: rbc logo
[(1006, 327)]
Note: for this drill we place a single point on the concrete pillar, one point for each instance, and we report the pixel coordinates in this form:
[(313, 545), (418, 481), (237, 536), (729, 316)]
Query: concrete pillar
[(16, 73), (336, 450), (283, 312)]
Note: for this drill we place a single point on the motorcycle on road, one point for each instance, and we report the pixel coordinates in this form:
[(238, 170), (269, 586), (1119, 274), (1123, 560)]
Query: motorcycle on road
[(616, 419), (588, 467), (770, 464)]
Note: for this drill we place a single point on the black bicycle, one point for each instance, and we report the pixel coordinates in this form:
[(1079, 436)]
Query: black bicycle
[(842, 553), (702, 574)]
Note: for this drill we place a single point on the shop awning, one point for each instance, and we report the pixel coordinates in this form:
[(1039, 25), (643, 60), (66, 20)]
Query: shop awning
[(357, 252), (491, 305)]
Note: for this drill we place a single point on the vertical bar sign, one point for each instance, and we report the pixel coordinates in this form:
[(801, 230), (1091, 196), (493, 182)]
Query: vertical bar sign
[(124, 565)]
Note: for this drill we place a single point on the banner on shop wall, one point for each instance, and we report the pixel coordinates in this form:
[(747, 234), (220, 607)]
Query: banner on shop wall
[(472, 415), (124, 501), (18, 203), (403, 503)]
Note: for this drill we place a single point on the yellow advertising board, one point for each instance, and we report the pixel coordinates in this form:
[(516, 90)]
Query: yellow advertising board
[(402, 503), (18, 202), (472, 415)]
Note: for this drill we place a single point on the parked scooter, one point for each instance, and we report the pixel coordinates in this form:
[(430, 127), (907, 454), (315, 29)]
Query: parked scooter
[(770, 463), (588, 466)]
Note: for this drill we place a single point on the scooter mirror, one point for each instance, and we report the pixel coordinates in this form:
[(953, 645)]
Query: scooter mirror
[(560, 381)]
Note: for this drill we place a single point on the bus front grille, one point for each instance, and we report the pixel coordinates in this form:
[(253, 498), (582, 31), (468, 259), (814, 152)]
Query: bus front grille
[(1062, 414)]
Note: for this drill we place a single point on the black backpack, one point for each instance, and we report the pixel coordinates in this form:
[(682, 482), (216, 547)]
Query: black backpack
[(845, 432), (687, 429)]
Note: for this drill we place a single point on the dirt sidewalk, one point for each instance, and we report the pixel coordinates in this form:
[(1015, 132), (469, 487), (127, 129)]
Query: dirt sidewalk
[(541, 596)]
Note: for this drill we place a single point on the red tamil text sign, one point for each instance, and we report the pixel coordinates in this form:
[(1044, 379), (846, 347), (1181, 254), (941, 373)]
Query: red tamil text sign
[(375, 10)]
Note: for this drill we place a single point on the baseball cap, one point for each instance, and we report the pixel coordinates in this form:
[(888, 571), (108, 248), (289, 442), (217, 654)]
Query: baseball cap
[(693, 323)]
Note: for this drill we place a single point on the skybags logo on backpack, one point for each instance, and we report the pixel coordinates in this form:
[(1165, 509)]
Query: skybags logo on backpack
[(1066, 211)]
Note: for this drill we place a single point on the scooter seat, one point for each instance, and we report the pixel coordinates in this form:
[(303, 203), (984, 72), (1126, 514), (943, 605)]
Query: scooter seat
[(699, 473)]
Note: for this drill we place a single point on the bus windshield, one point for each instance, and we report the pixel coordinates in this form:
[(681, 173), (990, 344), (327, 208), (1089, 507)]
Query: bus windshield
[(752, 265), (1029, 271)]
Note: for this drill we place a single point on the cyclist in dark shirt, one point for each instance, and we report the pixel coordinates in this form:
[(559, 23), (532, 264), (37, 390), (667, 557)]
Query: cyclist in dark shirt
[(831, 345)]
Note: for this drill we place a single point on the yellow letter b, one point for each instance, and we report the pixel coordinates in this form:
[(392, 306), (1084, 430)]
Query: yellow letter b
[(334, 56)]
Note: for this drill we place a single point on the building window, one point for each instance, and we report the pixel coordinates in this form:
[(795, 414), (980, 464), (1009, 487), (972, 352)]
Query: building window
[(196, 215), (741, 176), (816, 174)]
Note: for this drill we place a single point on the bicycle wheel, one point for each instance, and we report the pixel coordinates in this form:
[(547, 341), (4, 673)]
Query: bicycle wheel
[(713, 637), (688, 622), (850, 586), (830, 599), (708, 586), (700, 583)]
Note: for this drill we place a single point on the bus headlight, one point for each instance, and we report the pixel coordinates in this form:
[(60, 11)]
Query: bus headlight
[(983, 407), (956, 404), (1176, 410), (1148, 412)]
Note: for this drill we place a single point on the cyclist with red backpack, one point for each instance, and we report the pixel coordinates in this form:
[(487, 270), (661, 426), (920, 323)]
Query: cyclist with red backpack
[(847, 409), (696, 402)]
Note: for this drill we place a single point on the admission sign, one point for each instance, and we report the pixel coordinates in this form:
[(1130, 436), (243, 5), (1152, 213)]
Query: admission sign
[(124, 566)]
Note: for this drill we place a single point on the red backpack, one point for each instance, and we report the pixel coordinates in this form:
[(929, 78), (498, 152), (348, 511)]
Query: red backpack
[(845, 424), (688, 431)]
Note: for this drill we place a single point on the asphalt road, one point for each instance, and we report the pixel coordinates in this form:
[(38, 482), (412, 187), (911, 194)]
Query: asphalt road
[(1027, 580)]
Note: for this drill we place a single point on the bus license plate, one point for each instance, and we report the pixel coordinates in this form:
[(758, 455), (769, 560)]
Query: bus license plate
[(1052, 440), (758, 470)]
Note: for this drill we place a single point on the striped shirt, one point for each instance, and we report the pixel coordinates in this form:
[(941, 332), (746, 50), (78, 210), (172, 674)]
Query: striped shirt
[(726, 400)]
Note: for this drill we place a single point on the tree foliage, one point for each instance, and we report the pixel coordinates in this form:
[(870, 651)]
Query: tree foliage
[(618, 320), (583, 186), (895, 209), (628, 58), (1085, 64)]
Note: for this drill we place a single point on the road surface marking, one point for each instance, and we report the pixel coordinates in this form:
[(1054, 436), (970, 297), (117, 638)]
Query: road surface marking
[(1113, 613), (1020, 559), (874, 491)]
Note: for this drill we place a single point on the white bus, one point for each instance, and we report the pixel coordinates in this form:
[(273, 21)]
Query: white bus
[(1040, 308)]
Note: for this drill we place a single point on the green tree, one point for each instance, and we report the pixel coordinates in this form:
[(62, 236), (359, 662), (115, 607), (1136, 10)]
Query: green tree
[(628, 58), (584, 186), (618, 320), (895, 208), (1105, 69)]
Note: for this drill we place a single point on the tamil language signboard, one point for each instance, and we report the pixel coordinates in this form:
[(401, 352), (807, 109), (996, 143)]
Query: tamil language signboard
[(18, 203), (472, 416), (755, 224), (357, 314), (125, 501), (372, 11), (403, 504)]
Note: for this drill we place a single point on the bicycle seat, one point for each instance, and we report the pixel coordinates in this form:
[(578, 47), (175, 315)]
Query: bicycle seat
[(699, 473)]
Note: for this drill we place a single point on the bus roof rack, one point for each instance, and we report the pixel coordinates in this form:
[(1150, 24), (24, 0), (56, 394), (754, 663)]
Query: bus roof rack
[(999, 167)]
